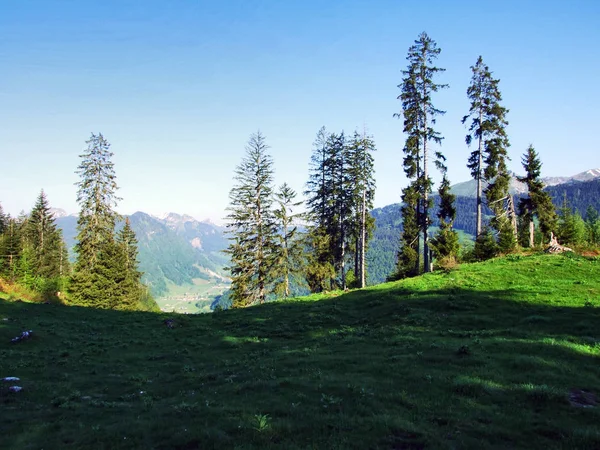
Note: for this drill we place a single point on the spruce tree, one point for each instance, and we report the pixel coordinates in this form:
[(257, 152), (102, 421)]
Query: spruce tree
[(570, 227), (488, 161), (3, 220), (97, 198), (45, 240), (126, 259), (538, 202), (251, 225), (419, 115), (329, 201), (445, 242), (592, 225), (12, 247), (319, 202), (95, 279), (362, 184), (408, 254), (289, 249)]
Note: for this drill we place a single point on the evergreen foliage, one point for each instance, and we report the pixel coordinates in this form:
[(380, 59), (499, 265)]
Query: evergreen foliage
[(538, 203), (487, 128), (408, 255), (419, 116), (319, 269), (289, 249), (340, 192), (97, 198), (445, 242), (105, 274), (571, 228), (252, 226), (362, 184), (3, 220), (592, 226), (486, 246)]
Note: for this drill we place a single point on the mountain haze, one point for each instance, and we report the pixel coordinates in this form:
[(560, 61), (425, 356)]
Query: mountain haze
[(176, 250)]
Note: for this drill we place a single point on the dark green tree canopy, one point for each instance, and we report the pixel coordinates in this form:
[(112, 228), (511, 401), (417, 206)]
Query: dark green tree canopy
[(251, 225)]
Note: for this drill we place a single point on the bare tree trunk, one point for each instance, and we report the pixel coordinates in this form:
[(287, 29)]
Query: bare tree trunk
[(426, 267), (479, 162), (531, 234)]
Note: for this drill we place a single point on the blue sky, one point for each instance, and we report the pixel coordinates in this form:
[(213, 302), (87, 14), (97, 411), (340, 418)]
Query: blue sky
[(177, 87)]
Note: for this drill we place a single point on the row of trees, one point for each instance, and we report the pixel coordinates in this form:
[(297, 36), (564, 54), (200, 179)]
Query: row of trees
[(105, 273), (32, 250), (487, 162), (267, 249)]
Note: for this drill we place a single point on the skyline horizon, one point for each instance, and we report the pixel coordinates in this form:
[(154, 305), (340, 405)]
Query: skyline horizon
[(199, 217)]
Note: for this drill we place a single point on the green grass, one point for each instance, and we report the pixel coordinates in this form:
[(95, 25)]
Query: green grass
[(481, 357)]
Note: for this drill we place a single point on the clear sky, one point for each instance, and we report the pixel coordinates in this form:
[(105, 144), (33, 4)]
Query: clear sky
[(177, 87)]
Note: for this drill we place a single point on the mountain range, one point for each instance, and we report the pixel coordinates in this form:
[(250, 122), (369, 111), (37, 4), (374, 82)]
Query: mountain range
[(179, 255), (469, 188)]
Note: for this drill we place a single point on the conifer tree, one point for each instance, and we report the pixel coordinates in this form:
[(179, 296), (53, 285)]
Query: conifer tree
[(96, 279), (570, 227), (419, 115), (408, 254), (3, 220), (131, 285), (12, 247), (445, 242), (362, 184), (319, 194), (592, 225), (538, 202), (329, 202), (252, 225), (289, 249), (45, 240), (488, 161)]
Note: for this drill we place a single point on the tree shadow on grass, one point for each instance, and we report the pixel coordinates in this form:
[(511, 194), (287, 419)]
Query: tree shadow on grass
[(375, 368)]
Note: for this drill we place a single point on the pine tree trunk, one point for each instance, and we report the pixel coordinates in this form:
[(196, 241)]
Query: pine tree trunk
[(479, 162), (426, 267), (363, 239), (531, 234)]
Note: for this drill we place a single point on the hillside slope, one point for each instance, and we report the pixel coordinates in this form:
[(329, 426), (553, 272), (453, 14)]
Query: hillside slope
[(441, 361)]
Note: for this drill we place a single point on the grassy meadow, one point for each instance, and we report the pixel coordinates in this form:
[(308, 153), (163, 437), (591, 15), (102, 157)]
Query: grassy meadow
[(495, 355)]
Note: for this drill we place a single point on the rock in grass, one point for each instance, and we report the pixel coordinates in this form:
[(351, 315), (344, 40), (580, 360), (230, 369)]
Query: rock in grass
[(24, 335)]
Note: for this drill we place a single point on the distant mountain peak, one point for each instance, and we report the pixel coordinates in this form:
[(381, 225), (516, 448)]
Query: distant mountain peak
[(469, 188)]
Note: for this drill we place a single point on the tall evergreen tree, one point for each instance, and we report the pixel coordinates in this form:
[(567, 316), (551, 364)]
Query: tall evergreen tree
[(289, 249), (252, 225), (329, 201), (362, 184), (96, 279), (488, 161), (419, 115), (97, 198), (126, 259), (538, 202)]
